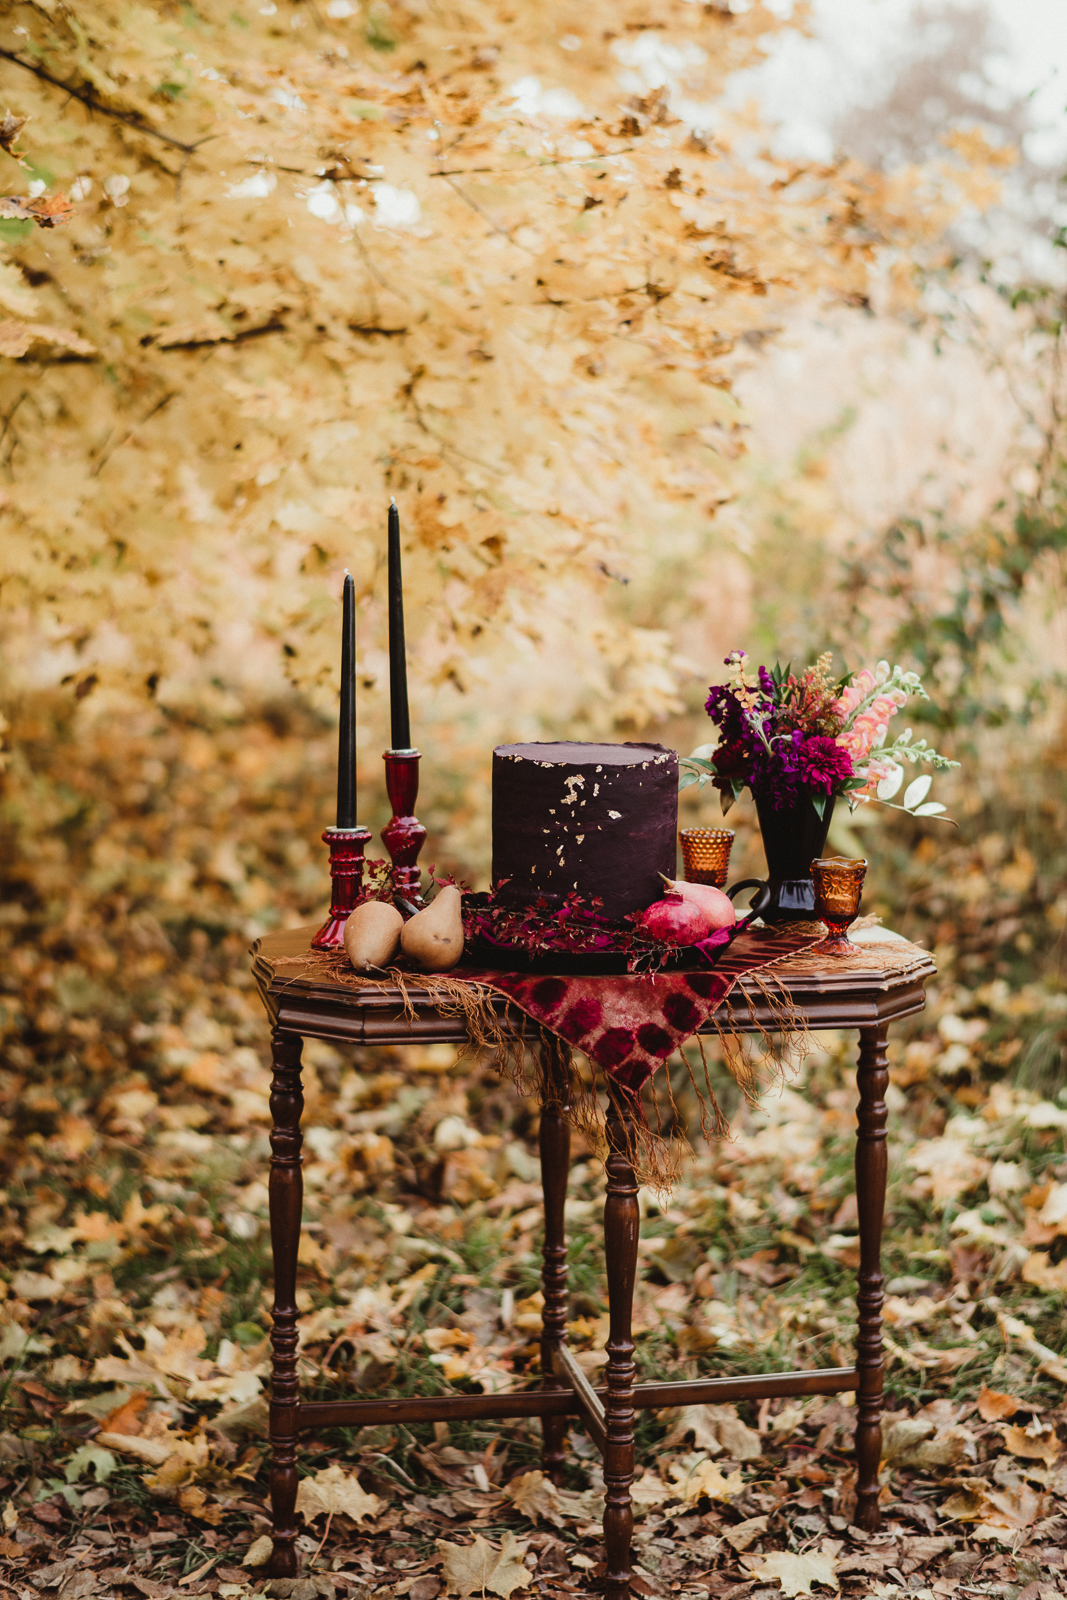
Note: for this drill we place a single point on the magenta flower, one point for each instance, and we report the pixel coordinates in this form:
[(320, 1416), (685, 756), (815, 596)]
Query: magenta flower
[(822, 764)]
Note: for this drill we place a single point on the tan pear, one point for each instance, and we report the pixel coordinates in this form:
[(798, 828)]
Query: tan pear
[(372, 934), (434, 937)]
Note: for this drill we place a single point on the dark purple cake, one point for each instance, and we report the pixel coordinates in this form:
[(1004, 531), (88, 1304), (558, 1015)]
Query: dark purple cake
[(597, 820)]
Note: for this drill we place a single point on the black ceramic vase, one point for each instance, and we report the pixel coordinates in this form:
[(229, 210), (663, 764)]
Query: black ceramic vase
[(793, 838)]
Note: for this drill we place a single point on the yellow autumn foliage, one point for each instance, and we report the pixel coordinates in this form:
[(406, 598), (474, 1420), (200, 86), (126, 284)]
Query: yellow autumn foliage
[(500, 260)]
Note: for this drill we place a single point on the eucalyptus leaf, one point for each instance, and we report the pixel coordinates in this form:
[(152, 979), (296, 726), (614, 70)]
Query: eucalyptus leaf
[(917, 791), (889, 785), (930, 809)]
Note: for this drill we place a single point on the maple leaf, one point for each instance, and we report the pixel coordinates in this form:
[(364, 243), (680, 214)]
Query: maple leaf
[(924, 1357), (691, 1420), (126, 1418), (650, 1490), (16, 338), (480, 1568), (15, 1342), (47, 211), (174, 1456), (716, 1429), (239, 1371), (997, 1514), (1014, 1330), (102, 1462), (96, 1227), (166, 1364), (953, 1168), (10, 128), (698, 1476), (438, 1339), (533, 1496), (243, 1421), (48, 1239), (1038, 1270), (175, 1471), (911, 1443), (137, 1218), (259, 1551), (994, 1406), (152, 1451), (1038, 1442), (134, 1371), (194, 1501), (586, 1506), (17, 297), (795, 1573), (334, 1490), (745, 1533), (1053, 1213)]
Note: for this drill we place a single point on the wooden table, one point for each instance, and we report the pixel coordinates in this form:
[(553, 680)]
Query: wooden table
[(303, 1005)]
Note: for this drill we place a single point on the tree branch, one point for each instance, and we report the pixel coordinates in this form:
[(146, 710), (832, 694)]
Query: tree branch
[(89, 99), (533, 166), (503, 232), (105, 458)]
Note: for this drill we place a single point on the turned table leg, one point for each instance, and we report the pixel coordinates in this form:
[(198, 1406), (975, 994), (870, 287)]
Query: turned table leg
[(871, 1166), (621, 1221), (286, 1204), (555, 1145)]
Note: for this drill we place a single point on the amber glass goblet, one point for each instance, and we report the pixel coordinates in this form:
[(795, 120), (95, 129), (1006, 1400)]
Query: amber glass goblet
[(706, 855), (838, 885)]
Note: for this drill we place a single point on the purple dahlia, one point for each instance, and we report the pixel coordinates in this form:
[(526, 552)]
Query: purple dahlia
[(822, 764)]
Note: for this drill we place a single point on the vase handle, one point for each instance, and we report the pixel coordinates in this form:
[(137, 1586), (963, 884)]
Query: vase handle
[(759, 903)]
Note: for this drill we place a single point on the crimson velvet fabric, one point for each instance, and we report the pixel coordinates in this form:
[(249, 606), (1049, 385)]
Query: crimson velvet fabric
[(629, 1025)]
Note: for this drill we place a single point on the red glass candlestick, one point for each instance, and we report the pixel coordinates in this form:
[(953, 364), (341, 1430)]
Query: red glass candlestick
[(346, 880), (404, 835)]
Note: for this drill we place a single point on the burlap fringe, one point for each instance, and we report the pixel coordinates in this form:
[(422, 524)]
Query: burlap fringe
[(540, 1064), (471, 1003), (890, 956)]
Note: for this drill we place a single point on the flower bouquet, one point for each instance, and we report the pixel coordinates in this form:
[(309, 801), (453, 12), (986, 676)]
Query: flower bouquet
[(799, 742)]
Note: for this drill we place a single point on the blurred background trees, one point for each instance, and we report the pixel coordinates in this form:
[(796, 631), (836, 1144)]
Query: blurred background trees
[(645, 385)]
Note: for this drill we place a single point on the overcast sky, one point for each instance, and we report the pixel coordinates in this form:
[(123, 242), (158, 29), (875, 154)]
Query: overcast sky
[(1037, 34), (809, 82)]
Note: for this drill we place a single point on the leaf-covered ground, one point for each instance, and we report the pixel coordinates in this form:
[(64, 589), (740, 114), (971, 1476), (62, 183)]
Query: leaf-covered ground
[(135, 1279)]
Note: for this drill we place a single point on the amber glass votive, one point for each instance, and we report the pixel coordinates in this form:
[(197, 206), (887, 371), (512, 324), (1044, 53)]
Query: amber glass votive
[(706, 855), (838, 885)]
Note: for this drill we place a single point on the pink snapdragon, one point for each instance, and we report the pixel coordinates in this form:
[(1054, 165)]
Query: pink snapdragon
[(876, 770), (869, 732), (871, 727), (855, 693), (865, 684)]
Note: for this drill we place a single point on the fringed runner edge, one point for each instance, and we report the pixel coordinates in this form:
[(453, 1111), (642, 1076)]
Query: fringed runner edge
[(655, 1153)]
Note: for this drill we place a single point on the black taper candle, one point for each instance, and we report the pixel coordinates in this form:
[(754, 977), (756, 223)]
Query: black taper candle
[(398, 667), (346, 739)]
